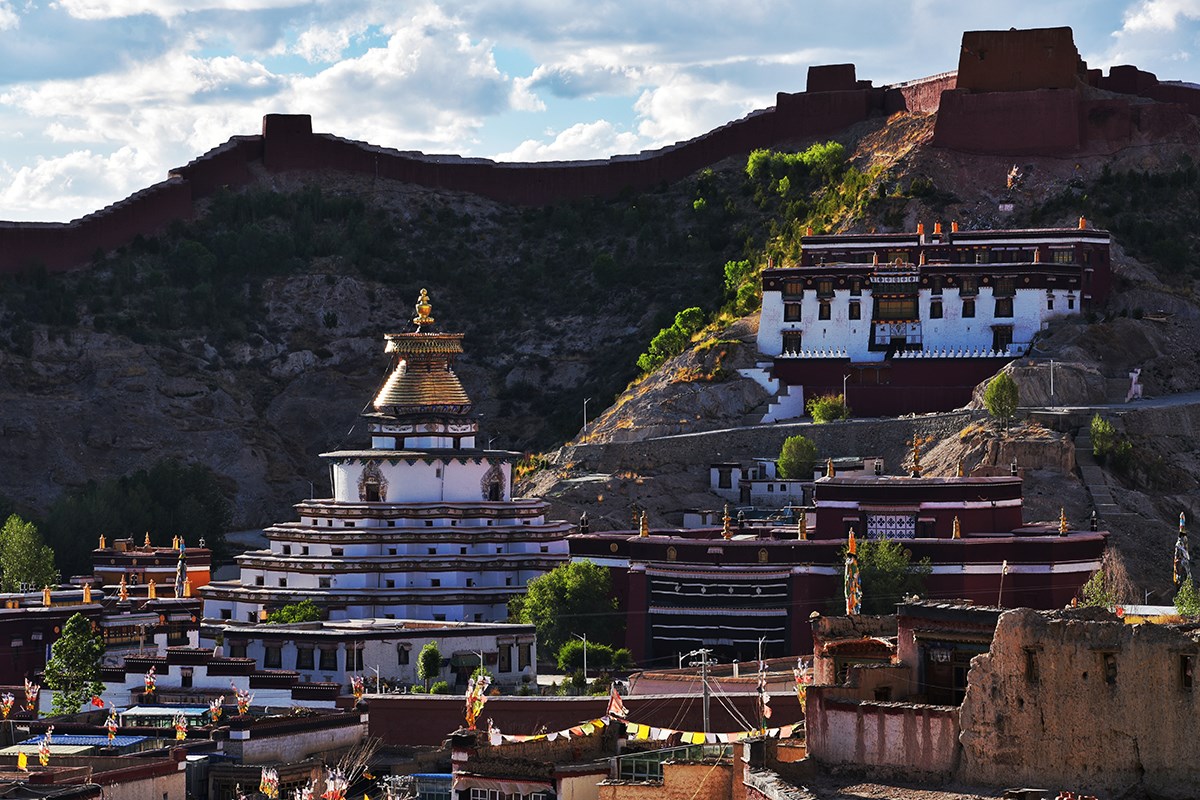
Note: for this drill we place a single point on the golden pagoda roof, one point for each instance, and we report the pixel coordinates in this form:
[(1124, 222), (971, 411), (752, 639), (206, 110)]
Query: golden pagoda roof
[(409, 389), (424, 343)]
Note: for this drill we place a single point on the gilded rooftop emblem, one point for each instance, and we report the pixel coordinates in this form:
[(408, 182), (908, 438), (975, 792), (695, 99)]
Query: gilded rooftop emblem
[(423, 309)]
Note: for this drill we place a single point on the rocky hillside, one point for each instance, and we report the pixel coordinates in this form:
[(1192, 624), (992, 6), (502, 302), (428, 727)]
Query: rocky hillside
[(249, 339)]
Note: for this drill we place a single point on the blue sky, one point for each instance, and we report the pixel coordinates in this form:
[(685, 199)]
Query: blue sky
[(99, 98)]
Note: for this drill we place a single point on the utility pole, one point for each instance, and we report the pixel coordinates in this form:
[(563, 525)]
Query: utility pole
[(703, 663), (584, 640), (1052, 381)]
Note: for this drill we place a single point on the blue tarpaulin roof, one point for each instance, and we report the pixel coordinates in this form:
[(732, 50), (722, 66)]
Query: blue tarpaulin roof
[(83, 740)]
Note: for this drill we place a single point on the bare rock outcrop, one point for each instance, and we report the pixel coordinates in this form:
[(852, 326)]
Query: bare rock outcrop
[(698, 390)]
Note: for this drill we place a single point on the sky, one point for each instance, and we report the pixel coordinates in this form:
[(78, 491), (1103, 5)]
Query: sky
[(100, 98)]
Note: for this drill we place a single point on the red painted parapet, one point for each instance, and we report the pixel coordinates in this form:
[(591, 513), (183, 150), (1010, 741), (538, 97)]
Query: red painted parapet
[(59, 246), (1019, 60), (1037, 122)]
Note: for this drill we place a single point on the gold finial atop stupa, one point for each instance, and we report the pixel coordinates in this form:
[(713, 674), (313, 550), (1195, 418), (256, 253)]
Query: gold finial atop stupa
[(147, 542), (957, 534), (726, 531), (423, 309), (1062, 521), (643, 525), (830, 472), (802, 525)]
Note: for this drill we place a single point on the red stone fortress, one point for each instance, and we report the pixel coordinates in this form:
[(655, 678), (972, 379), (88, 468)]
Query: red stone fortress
[(726, 588), (912, 322)]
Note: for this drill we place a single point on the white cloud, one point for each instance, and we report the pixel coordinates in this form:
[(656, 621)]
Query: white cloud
[(56, 188), (584, 140), (8, 17), (1160, 15), (684, 107), (110, 9), (431, 85)]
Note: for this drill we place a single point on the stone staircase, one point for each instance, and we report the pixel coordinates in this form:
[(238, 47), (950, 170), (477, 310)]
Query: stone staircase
[(1094, 478)]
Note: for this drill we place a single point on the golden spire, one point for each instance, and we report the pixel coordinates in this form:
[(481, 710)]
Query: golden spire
[(87, 593), (423, 309), (829, 470), (152, 590), (102, 542), (959, 473), (46, 596), (1062, 521), (147, 542), (175, 543), (643, 525), (957, 534), (123, 590), (726, 531), (802, 525)]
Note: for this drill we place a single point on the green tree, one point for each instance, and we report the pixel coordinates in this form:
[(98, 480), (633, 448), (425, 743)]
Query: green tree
[(888, 575), (570, 656), (73, 671), (828, 408), (1001, 397), (429, 663), (796, 457), (573, 598), (1187, 601), (304, 611), (24, 559), (1096, 592)]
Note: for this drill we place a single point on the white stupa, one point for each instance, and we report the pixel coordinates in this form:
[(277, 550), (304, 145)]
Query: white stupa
[(422, 523)]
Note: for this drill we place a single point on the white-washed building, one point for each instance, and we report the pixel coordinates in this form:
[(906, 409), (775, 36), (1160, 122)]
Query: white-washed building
[(909, 322), (422, 523)]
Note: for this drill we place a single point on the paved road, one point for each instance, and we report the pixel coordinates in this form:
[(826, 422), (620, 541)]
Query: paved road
[(1166, 401)]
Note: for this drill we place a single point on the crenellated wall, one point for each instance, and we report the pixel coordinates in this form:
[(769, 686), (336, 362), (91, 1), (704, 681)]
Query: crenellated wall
[(1016, 92)]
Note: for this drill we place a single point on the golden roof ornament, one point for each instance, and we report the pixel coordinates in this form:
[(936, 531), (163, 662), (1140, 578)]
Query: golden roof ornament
[(46, 596), (959, 472), (643, 525), (87, 593), (102, 541), (1062, 521), (423, 309), (829, 470), (152, 590), (726, 531), (187, 587), (147, 542), (123, 590), (802, 525), (957, 533)]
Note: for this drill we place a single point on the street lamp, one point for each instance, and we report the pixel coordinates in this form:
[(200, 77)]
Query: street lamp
[(844, 379), (584, 640), (586, 400)]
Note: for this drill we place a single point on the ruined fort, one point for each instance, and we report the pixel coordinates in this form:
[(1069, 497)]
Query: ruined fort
[(1015, 92)]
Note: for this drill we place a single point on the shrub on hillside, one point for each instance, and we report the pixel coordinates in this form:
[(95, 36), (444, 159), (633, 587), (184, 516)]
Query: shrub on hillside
[(828, 408)]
